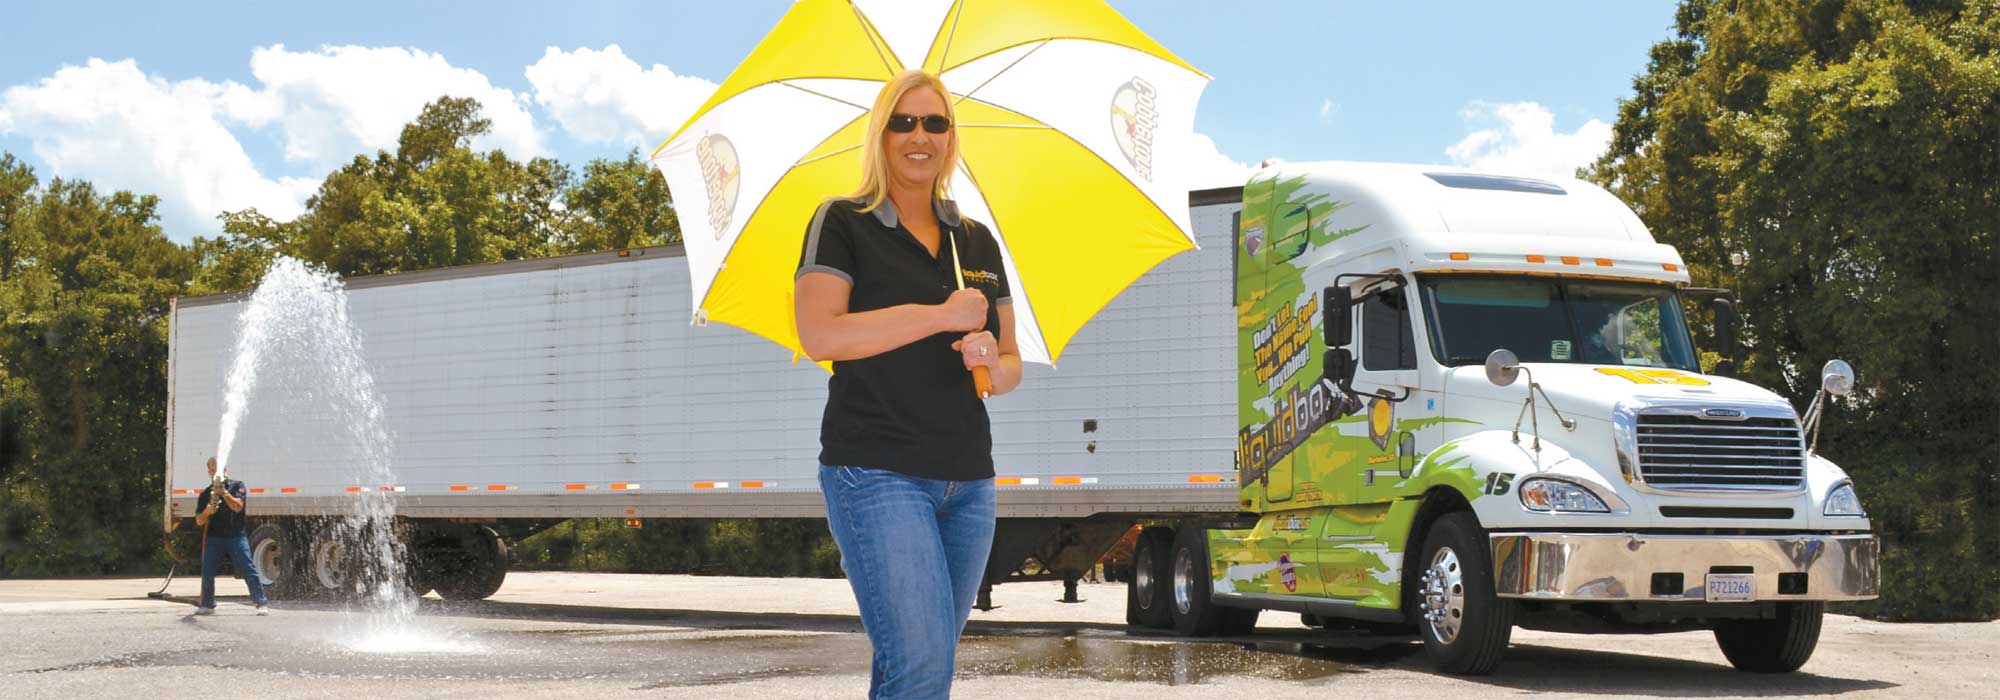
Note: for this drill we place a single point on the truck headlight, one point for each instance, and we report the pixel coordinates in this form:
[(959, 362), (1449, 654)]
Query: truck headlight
[(1842, 501), (1557, 496)]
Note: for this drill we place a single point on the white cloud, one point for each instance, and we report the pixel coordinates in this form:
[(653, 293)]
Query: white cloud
[(1525, 141), (122, 129), (111, 123), (342, 100), (1327, 109), (606, 97), (1213, 168)]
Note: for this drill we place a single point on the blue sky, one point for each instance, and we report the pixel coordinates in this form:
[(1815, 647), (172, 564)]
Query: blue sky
[(217, 105)]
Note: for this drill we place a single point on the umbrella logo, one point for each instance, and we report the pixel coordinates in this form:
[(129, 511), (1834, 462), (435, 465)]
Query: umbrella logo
[(1134, 116), (719, 170)]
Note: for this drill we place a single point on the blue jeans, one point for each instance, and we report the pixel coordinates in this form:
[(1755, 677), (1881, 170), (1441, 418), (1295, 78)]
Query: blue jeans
[(238, 549), (900, 538)]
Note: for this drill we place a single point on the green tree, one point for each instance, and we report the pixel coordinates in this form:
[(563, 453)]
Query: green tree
[(1834, 162), (619, 204), (83, 323)]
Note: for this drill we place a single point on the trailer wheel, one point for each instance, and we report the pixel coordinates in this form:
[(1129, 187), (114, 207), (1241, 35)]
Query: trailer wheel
[(1146, 594), (482, 567), (278, 558), (1195, 614), (1779, 645), (1465, 626), (329, 565)]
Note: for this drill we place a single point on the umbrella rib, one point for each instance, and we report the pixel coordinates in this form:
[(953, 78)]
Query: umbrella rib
[(989, 79), (1026, 298), (817, 93), (957, 10), (874, 38), (821, 157)]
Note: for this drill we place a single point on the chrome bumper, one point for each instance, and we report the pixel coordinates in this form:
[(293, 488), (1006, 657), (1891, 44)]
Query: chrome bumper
[(1621, 567)]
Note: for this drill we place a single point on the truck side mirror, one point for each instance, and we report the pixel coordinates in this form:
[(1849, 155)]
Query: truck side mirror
[(1725, 336), (1339, 369), (1337, 321)]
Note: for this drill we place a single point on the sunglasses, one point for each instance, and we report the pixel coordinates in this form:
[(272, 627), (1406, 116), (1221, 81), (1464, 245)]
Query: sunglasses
[(906, 123)]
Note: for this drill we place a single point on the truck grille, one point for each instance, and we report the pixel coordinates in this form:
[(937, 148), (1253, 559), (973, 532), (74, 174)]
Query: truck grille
[(1752, 454)]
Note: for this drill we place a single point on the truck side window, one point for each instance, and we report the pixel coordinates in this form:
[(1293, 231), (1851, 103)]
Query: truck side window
[(1386, 340)]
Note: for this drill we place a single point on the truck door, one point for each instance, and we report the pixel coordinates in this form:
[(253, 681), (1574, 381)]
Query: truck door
[(1400, 415)]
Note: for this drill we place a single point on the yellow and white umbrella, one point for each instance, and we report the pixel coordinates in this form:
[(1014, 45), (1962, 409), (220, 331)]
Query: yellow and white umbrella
[(1075, 131)]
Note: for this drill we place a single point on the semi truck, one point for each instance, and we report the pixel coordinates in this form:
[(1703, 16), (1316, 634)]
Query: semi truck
[(1406, 399)]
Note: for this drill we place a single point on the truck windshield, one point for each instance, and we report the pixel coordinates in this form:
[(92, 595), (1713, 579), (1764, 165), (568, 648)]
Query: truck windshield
[(1556, 320)]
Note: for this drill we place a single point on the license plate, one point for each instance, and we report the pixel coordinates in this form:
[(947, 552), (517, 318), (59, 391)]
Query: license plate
[(1732, 588)]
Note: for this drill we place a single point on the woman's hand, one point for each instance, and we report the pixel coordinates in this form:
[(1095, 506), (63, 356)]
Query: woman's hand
[(965, 310), (979, 349)]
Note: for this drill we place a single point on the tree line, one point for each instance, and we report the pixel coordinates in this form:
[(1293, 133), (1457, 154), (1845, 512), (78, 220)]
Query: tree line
[(1834, 162)]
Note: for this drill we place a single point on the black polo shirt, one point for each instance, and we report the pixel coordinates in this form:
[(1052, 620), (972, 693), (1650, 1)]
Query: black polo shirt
[(912, 409), (226, 522)]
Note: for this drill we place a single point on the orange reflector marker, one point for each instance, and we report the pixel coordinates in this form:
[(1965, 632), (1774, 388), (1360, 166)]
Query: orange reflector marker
[(1537, 259), (499, 487), (289, 489), (752, 484), (997, 481), (576, 487), (1066, 481), (256, 490), (1670, 267), (631, 511), (624, 487), (355, 489), (1572, 260), (1460, 256), (460, 487), (711, 484), (1204, 478), (1604, 262), (181, 492)]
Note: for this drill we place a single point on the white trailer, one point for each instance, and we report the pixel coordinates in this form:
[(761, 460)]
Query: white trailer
[(519, 394)]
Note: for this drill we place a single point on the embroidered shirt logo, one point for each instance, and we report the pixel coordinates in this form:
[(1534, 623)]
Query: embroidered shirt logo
[(981, 277), (719, 171)]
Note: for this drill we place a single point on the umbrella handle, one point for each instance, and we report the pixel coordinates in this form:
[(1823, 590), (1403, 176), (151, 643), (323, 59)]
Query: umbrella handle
[(982, 379)]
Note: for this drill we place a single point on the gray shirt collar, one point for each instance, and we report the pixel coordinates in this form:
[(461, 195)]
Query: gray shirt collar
[(947, 213)]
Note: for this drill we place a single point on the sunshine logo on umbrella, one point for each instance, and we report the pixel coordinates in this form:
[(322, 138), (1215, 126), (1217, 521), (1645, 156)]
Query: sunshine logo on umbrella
[(1134, 116), (719, 169)]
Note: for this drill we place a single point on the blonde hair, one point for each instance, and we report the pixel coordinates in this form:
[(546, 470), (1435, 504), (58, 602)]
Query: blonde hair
[(875, 163)]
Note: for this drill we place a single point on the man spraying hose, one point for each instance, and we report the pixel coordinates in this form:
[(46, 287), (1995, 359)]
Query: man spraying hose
[(219, 512)]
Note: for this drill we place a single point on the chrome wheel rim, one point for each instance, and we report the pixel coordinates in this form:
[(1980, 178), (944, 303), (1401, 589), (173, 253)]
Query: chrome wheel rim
[(266, 558), (1184, 582), (1142, 576), (327, 556), (1443, 591)]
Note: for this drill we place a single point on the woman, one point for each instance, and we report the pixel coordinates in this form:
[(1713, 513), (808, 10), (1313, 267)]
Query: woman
[(906, 298)]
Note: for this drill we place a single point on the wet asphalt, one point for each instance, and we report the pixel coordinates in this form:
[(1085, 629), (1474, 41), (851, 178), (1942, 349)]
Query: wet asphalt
[(546, 643)]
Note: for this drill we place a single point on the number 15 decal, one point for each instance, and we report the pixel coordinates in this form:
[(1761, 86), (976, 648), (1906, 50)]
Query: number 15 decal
[(1498, 483)]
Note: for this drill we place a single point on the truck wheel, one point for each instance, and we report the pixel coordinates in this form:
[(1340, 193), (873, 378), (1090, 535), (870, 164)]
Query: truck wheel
[(483, 569), (1780, 645), (278, 561), (1464, 625), (1195, 615), (1146, 595), (329, 566)]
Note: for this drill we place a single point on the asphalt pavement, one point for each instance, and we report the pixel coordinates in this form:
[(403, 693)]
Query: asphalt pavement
[(559, 635)]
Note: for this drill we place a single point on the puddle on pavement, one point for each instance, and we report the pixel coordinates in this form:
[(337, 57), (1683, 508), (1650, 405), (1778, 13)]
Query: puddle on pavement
[(1165, 663), (310, 643)]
